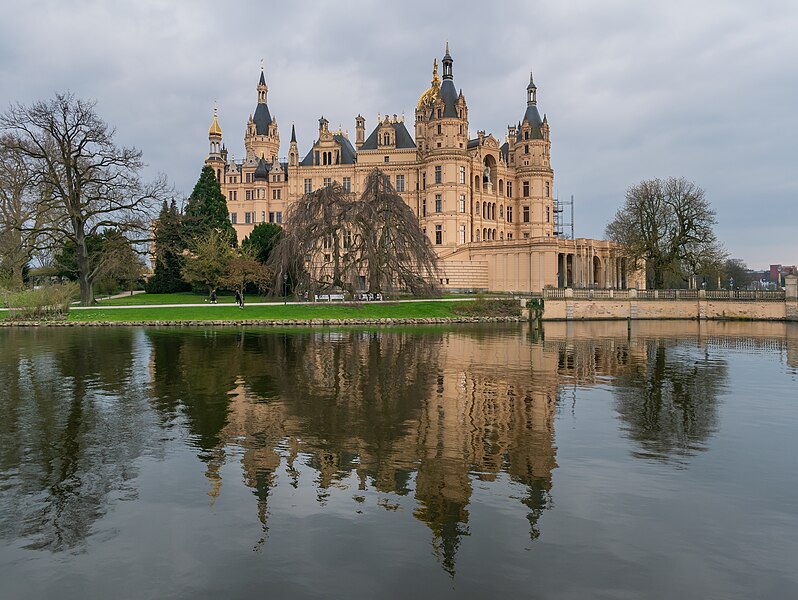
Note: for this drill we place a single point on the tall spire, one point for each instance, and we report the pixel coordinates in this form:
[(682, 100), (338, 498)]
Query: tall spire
[(293, 134), (447, 64), (262, 78)]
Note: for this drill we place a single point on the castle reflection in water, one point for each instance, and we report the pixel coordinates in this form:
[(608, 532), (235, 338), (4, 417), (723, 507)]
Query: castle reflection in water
[(422, 415), (431, 413)]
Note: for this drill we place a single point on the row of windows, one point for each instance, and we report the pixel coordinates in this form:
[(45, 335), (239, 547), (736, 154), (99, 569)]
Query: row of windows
[(256, 194), (250, 217)]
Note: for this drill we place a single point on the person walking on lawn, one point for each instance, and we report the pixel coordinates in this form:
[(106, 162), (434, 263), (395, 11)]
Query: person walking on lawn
[(239, 299)]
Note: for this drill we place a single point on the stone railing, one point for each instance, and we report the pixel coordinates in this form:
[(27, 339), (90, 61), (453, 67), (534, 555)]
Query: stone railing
[(731, 295)]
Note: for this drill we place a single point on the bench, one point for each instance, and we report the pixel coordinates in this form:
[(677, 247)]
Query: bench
[(329, 298)]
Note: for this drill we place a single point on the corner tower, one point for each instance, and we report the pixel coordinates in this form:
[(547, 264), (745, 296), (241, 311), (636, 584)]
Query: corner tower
[(261, 139)]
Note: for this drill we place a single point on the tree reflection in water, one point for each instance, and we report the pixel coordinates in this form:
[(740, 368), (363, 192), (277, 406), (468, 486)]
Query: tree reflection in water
[(668, 401), (74, 420)]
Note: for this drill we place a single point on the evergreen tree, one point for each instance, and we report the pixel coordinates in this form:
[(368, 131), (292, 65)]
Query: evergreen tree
[(169, 248), (262, 240), (206, 209)]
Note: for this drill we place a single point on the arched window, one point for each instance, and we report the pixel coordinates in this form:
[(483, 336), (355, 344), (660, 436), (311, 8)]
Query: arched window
[(501, 186), (476, 183), (484, 234), (493, 235), (477, 234), (477, 209)]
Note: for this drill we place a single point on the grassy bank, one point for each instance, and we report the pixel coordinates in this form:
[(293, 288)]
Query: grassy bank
[(180, 298), (410, 310)]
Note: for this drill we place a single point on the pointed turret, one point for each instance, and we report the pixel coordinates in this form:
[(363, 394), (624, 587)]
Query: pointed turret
[(448, 90), (531, 91), (293, 134)]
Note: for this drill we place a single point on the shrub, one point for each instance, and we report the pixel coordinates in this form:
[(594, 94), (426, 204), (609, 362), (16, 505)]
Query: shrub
[(488, 308), (48, 302)]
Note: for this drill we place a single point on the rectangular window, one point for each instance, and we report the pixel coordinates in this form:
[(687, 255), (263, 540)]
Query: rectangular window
[(271, 217), (439, 129), (423, 181), (526, 149), (509, 236), (526, 214), (461, 235), (327, 181), (438, 203), (509, 189), (526, 235), (548, 189), (462, 174), (249, 195), (438, 174), (248, 177), (279, 216), (247, 218), (347, 184), (548, 215), (274, 194), (461, 203), (278, 194), (509, 214), (424, 207), (387, 159), (308, 185), (400, 183), (263, 216), (439, 234), (526, 189), (234, 218)]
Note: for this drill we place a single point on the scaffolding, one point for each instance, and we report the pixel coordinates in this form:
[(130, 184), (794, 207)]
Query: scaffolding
[(564, 218)]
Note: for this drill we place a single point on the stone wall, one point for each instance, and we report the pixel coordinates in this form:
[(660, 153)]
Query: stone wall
[(608, 308)]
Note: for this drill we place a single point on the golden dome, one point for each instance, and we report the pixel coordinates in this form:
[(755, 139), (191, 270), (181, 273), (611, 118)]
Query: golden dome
[(427, 97), (215, 129)]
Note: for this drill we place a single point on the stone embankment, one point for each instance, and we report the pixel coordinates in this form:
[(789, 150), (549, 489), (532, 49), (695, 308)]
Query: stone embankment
[(266, 322)]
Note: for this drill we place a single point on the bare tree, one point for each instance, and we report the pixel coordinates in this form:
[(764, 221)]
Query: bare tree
[(667, 226), (331, 240), (91, 183), (21, 215)]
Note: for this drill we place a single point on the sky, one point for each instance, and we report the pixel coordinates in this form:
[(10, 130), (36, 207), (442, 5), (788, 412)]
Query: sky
[(633, 90)]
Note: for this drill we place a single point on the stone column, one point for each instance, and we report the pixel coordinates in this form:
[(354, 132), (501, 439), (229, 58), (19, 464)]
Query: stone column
[(791, 297)]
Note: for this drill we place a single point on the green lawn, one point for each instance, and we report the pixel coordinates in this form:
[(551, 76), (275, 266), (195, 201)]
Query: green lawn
[(180, 298), (413, 310)]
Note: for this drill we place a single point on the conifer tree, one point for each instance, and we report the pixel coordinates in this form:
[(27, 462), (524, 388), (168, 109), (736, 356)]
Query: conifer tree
[(169, 247), (206, 209)]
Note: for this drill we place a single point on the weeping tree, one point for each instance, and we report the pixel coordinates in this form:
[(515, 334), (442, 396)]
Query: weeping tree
[(332, 240)]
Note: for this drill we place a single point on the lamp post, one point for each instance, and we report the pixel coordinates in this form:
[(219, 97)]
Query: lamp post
[(285, 284)]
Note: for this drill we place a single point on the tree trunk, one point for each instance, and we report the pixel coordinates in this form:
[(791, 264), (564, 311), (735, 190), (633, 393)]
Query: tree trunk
[(82, 256)]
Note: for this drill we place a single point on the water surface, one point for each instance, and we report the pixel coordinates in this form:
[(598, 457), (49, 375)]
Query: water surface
[(447, 462)]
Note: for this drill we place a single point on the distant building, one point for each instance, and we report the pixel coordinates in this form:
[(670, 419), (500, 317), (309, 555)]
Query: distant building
[(487, 206), (779, 272)]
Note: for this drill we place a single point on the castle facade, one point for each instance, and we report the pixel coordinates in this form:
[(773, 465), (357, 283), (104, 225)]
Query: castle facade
[(487, 207)]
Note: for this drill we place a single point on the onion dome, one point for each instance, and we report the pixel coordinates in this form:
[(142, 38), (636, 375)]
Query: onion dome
[(215, 129)]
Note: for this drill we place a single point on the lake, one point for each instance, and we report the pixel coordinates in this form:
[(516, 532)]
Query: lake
[(472, 461)]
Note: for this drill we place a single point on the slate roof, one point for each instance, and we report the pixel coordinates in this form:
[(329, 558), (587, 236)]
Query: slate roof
[(262, 172), (262, 119), (533, 116), (449, 96), (403, 139), (348, 154)]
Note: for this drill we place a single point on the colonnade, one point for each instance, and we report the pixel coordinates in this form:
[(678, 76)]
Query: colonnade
[(586, 266)]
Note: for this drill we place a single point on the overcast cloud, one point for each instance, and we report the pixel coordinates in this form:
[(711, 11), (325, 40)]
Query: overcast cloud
[(633, 90)]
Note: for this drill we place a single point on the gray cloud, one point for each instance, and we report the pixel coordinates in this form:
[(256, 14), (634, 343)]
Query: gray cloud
[(632, 90)]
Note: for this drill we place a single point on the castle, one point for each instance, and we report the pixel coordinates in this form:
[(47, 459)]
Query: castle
[(488, 208)]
